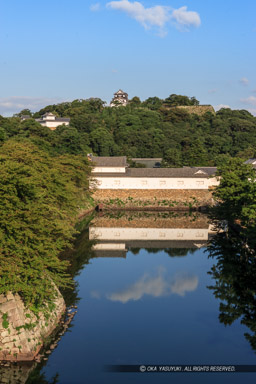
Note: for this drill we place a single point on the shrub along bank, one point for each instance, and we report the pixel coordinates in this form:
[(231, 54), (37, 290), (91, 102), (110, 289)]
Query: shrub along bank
[(40, 197)]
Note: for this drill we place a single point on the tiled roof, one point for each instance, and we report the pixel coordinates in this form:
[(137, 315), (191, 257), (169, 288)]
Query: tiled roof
[(58, 120), (209, 170), (160, 172), (121, 92), (48, 114), (115, 161), (250, 161), (61, 119)]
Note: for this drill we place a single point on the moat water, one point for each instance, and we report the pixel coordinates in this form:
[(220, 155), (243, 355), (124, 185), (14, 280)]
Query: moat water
[(144, 298)]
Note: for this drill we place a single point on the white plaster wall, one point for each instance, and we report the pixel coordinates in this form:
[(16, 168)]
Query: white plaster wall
[(108, 170), (53, 124), (154, 183), (148, 233), (49, 117)]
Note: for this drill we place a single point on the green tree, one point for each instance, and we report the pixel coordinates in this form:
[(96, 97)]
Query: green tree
[(179, 100), (172, 158), (24, 112), (101, 142), (135, 101), (236, 193), (153, 103), (40, 197), (196, 154)]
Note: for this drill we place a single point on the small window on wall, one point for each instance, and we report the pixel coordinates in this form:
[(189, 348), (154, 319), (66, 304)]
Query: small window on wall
[(180, 182), (117, 182), (199, 183), (144, 182), (162, 182)]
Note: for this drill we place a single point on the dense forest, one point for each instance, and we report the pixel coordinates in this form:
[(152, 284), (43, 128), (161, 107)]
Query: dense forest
[(152, 128)]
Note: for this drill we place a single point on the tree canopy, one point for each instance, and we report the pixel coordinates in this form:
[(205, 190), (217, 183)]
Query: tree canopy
[(236, 193), (40, 197), (147, 128)]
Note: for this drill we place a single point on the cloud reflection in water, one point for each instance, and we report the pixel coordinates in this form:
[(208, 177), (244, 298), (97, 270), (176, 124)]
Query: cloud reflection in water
[(156, 286)]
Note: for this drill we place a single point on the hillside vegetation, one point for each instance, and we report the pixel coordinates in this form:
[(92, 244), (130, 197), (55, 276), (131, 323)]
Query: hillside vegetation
[(153, 128)]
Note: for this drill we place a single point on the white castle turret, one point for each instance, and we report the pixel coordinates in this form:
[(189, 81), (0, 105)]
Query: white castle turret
[(120, 99)]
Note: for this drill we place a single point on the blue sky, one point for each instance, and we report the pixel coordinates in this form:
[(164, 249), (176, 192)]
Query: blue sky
[(58, 50)]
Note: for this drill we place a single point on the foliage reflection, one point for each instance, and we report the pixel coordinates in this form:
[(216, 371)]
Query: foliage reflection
[(234, 274)]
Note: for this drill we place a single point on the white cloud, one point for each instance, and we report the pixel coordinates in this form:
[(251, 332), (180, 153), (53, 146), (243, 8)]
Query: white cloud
[(157, 16), (186, 18), (244, 81), (14, 104), (251, 100), (252, 111), (156, 286), (95, 7), (219, 106), (148, 17)]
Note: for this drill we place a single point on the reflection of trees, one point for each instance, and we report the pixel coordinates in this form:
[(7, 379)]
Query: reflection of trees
[(173, 252), (234, 274), (39, 378), (178, 252), (135, 251), (78, 257)]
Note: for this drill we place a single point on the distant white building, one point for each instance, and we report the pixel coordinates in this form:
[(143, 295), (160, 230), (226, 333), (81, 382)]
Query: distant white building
[(120, 99), (51, 121)]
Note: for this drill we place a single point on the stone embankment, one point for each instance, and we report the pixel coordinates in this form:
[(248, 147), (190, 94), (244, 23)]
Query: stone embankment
[(196, 109), (22, 333), (151, 220), (179, 199)]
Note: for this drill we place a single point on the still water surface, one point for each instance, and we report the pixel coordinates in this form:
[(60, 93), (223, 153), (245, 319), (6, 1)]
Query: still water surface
[(144, 299)]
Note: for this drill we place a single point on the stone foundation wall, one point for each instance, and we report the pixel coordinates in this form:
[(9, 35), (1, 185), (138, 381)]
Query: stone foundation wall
[(197, 109), (21, 332), (128, 198), (151, 220)]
